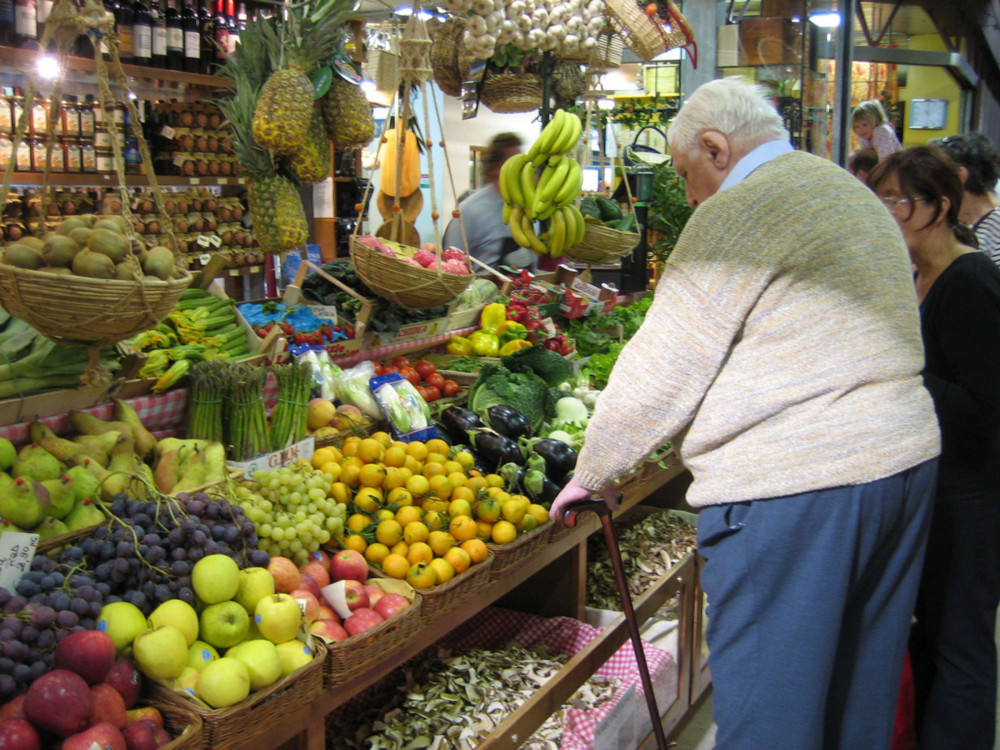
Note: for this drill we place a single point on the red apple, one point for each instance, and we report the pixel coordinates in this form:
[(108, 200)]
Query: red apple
[(89, 653), (13, 709), (361, 620), (325, 613), (391, 604), (106, 736), (374, 594), (145, 735), (146, 713), (356, 596), (109, 706), (311, 610), (19, 734), (329, 630), (308, 583), (286, 575), (348, 565), (124, 677), (322, 558), (317, 572), (60, 702), (345, 596)]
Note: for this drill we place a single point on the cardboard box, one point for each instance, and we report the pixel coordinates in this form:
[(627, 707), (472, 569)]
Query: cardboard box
[(770, 41), (727, 46), (410, 332)]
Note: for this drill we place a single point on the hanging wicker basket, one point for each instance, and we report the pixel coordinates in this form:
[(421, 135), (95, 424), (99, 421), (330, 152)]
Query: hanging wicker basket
[(512, 92), (383, 69), (601, 244), (646, 36), (447, 56), (407, 285)]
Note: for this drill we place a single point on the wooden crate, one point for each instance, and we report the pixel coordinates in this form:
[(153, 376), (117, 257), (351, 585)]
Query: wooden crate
[(770, 41)]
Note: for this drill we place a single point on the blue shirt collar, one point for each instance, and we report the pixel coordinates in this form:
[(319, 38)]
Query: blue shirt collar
[(759, 156)]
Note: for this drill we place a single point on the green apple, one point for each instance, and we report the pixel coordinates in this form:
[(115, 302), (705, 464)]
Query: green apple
[(200, 654), (261, 660), (187, 681), (294, 654), (84, 515), (161, 653), (278, 617), (255, 584), (180, 615), (253, 633), (224, 682), (215, 578), (8, 454), (123, 622), (224, 624)]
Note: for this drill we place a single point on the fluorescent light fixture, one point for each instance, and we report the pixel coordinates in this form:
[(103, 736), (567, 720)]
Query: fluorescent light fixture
[(826, 20), (368, 86), (605, 103), (615, 81), (48, 67), (407, 10)]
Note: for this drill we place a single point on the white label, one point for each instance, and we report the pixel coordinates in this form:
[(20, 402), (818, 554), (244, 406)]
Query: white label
[(16, 551), (203, 241), (167, 132), (215, 240), (192, 44), (143, 41), (587, 290), (324, 312), (44, 8), (24, 20), (300, 450), (323, 199), (159, 40), (205, 258), (175, 38)]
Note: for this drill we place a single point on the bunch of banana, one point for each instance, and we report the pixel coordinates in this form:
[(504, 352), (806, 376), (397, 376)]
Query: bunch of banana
[(550, 196)]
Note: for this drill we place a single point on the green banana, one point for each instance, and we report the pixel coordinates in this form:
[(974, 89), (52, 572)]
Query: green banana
[(527, 181), (550, 134), (581, 225), (507, 208), (571, 187), (515, 227), (534, 243), (556, 180), (570, 135), (514, 178), (502, 180), (557, 235)]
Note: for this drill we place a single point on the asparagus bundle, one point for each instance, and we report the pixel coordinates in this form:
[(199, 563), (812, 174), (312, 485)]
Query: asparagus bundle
[(288, 422), (247, 418), (205, 403)]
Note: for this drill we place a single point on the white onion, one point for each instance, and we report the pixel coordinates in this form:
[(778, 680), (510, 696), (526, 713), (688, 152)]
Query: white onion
[(482, 7), (476, 25)]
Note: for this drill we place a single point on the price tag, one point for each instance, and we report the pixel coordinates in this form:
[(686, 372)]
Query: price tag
[(215, 240), (167, 132), (16, 551), (325, 312), (203, 241), (205, 258), (180, 158), (195, 181), (549, 326), (223, 180)]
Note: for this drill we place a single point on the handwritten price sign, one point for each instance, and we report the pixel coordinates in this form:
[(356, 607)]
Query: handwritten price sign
[(16, 551)]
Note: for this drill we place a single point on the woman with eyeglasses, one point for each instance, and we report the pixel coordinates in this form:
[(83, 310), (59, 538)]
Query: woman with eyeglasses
[(958, 289)]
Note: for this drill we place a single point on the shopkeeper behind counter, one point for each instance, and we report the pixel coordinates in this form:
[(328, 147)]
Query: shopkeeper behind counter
[(489, 237)]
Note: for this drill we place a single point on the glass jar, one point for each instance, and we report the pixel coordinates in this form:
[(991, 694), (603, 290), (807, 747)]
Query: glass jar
[(105, 161), (73, 155), (133, 160), (88, 122), (70, 118), (6, 114), (23, 156), (40, 155), (88, 157), (40, 117), (102, 139), (6, 150)]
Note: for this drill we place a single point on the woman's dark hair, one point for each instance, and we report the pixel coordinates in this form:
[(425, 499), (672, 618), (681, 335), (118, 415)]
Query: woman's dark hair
[(978, 155), (927, 173), (498, 151)]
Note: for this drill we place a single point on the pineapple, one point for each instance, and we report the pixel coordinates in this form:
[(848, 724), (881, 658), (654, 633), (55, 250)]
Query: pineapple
[(348, 116), (312, 162), (309, 34), (279, 220)]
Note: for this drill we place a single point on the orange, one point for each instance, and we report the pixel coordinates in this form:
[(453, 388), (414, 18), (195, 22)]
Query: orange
[(421, 576), (395, 566), (350, 446), (420, 552), (389, 532), (370, 450), (413, 465), (408, 513), (356, 542), (488, 510), (512, 511), (400, 548), (457, 478), (358, 522), (394, 456), (462, 493), (399, 496), (503, 532), (434, 505), (477, 549), (351, 475), (368, 499), (384, 514), (372, 475), (494, 480), (340, 492), (383, 437), (324, 456), (539, 512), (417, 449), (462, 528), (415, 531), (526, 524), (438, 446), (459, 508), (435, 520), (399, 444), (418, 485), (475, 483), (436, 458), (432, 469), (393, 478), (460, 559), (332, 468), (484, 529), (443, 568), (376, 553), (440, 486), (465, 458), (440, 542)]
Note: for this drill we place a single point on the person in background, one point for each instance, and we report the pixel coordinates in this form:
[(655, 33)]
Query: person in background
[(861, 162), (488, 236), (782, 359), (978, 163), (872, 127), (953, 650)]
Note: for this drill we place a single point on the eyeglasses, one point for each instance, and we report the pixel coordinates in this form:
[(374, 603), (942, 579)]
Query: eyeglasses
[(893, 203)]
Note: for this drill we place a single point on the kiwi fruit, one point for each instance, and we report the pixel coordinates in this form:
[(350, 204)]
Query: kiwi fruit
[(23, 256), (92, 264), (59, 250), (159, 262), (109, 243), (33, 242), (70, 224)]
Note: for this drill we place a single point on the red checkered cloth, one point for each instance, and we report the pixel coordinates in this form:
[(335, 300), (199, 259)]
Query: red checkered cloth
[(494, 627)]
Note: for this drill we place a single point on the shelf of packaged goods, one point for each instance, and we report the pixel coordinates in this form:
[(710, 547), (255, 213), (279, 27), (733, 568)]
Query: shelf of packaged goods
[(569, 550), (23, 59), (27, 179)]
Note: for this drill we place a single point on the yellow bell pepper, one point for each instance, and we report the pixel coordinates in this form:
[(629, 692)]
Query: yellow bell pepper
[(484, 344), (515, 345), (460, 345), (492, 316)]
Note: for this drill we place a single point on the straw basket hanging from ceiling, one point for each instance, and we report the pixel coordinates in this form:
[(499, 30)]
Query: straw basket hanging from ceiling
[(512, 92), (448, 60), (392, 277), (648, 36), (75, 309)]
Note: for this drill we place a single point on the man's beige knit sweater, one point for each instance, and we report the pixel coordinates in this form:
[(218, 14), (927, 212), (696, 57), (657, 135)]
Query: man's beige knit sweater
[(782, 353)]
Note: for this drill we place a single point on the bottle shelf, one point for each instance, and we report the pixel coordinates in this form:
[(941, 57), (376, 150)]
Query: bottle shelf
[(27, 179)]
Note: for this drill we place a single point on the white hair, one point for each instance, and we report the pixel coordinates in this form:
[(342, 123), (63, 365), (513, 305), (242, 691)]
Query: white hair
[(740, 110)]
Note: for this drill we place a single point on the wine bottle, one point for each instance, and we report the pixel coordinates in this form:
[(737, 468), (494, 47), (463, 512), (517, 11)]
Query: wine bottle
[(159, 34), (142, 30), (234, 31), (207, 25), (25, 23), (175, 37), (6, 21), (42, 10), (192, 37), (126, 38), (221, 32)]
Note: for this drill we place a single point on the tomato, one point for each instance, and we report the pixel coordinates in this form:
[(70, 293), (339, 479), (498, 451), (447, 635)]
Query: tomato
[(433, 393), (426, 369), (423, 393), (410, 374), (378, 370), (389, 369), (450, 388), (401, 362), (436, 379)]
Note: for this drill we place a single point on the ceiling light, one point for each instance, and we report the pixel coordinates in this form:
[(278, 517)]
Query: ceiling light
[(407, 10), (368, 86), (48, 67), (826, 20), (605, 103)]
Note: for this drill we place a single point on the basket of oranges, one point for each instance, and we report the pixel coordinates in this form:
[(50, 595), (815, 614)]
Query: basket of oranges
[(512, 555)]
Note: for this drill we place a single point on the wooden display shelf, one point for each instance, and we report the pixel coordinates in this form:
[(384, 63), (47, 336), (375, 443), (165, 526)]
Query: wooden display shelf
[(306, 727), (63, 179)]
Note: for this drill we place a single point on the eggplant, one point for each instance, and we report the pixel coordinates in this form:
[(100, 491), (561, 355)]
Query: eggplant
[(560, 458), (540, 488), (457, 422), (508, 421), (494, 450)]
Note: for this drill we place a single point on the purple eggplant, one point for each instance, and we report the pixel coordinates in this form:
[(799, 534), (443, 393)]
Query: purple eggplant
[(494, 450), (457, 422), (560, 458), (508, 421)]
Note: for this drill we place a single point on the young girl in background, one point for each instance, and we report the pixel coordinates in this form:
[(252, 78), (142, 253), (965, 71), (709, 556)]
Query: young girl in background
[(872, 127)]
